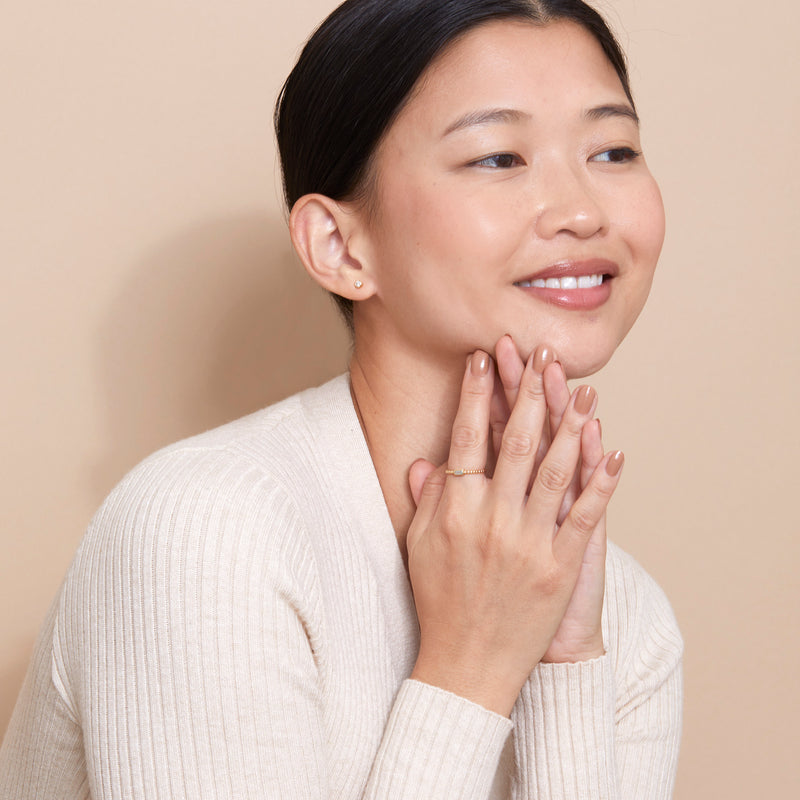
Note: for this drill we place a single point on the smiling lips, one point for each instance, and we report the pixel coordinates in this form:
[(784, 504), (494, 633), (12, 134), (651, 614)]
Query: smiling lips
[(578, 285)]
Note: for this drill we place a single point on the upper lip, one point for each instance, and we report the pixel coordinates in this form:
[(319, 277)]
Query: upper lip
[(588, 266)]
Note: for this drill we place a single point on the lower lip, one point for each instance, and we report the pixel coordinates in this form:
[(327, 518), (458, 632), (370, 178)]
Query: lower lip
[(573, 299)]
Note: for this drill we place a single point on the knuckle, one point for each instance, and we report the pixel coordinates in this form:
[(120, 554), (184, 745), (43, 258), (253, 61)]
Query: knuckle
[(465, 436), (518, 445), (473, 390), (582, 520), (603, 490), (552, 478), (433, 485), (450, 521), (532, 389), (550, 580), (571, 424)]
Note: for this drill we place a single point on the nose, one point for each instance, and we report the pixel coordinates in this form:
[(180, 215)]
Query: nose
[(565, 203)]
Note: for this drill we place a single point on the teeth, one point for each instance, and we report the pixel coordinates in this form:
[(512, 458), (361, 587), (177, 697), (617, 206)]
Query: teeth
[(567, 282)]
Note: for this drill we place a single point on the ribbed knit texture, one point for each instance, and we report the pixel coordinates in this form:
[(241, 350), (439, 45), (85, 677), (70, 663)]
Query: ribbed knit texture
[(238, 623)]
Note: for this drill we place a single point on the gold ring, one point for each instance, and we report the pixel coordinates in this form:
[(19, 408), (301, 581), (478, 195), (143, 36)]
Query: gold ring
[(459, 472)]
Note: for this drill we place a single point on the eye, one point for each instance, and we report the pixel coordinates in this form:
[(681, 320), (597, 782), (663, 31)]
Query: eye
[(499, 161), (617, 155)]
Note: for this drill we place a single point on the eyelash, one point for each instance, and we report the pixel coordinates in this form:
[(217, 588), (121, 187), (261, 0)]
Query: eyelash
[(624, 155), (617, 155), (484, 162)]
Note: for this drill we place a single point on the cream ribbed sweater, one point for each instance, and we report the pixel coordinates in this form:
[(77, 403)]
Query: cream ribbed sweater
[(238, 623)]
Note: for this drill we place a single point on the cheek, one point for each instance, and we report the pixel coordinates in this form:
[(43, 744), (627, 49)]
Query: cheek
[(646, 225), (433, 226)]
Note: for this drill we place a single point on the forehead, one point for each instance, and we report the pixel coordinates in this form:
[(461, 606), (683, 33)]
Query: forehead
[(516, 64)]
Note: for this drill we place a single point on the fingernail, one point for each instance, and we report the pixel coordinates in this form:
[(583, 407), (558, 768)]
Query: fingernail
[(542, 356), (614, 464), (479, 365), (584, 399)]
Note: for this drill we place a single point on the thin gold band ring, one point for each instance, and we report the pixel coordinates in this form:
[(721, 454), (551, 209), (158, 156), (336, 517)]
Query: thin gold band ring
[(457, 473)]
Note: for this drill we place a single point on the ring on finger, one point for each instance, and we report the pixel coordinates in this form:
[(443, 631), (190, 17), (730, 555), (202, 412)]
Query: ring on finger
[(457, 473)]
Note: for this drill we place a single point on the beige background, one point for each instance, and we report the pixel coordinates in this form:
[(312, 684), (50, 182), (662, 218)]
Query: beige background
[(150, 292)]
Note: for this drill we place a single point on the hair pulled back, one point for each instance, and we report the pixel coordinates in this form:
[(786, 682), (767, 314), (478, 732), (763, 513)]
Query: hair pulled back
[(359, 67)]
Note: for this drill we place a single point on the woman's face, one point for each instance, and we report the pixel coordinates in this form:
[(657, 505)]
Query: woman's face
[(508, 186)]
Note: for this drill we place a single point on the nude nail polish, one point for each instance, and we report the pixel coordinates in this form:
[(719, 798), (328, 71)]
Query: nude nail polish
[(584, 398), (614, 464), (480, 363), (542, 356)]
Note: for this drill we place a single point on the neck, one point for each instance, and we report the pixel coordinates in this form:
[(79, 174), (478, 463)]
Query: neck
[(406, 406)]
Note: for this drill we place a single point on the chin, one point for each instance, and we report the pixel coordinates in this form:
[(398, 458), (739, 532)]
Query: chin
[(579, 357), (582, 359), (575, 368)]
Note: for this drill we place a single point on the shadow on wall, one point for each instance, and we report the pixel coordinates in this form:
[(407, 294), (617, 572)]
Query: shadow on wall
[(212, 325)]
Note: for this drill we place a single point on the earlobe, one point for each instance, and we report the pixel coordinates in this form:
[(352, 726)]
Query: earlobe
[(322, 231)]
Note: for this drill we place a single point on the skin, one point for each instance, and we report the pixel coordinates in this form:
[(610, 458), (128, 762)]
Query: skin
[(507, 570), (445, 226)]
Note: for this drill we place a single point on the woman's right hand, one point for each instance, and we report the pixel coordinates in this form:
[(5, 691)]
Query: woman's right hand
[(491, 569)]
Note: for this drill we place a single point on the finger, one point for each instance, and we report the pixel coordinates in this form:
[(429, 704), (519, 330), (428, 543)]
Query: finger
[(417, 475), (591, 450), (557, 470), (427, 492), (468, 444), (520, 444), (588, 510), (510, 367), (556, 392), (498, 417)]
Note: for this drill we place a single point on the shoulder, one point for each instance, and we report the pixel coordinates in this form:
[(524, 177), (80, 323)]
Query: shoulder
[(642, 632), (254, 462), (206, 534), (212, 502)]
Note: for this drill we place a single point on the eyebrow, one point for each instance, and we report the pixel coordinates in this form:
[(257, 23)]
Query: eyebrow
[(486, 117), (611, 110), (494, 115)]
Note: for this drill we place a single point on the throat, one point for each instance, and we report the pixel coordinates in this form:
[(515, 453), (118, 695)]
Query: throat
[(403, 418)]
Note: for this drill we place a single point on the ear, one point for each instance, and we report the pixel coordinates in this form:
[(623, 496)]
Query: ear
[(324, 234)]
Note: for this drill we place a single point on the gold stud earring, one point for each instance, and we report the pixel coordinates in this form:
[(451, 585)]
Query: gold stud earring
[(358, 284)]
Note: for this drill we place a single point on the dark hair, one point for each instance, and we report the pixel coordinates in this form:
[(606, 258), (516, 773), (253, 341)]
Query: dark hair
[(359, 67)]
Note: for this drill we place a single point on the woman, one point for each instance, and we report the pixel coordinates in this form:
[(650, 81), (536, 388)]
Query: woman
[(397, 584)]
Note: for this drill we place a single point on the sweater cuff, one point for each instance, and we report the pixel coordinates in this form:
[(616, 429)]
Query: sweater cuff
[(567, 749), (437, 744)]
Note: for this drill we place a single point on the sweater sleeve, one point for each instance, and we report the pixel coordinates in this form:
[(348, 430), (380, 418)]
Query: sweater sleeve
[(190, 633), (607, 729)]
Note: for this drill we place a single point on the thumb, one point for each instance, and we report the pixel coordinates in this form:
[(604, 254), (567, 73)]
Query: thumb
[(417, 475)]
